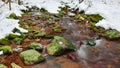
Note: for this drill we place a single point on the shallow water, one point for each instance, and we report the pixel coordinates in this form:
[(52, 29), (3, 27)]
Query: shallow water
[(106, 54)]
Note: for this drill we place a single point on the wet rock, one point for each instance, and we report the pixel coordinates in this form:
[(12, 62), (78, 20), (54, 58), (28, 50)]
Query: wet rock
[(91, 42), (15, 65), (31, 57), (6, 49), (112, 34), (3, 66), (36, 46), (18, 41), (18, 49), (59, 46)]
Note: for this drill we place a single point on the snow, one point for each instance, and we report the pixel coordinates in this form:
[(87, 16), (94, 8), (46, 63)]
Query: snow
[(7, 25), (108, 9), (1, 53)]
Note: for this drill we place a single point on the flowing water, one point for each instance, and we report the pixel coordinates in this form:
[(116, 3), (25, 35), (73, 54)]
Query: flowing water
[(106, 54)]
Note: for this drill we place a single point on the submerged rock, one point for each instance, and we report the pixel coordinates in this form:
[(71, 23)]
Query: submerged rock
[(6, 49), (59, 46), (3, 66), (35, 45), (15, 65), (31, 57)]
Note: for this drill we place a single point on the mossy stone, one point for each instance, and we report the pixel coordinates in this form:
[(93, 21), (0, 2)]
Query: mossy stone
[(6, 49), (30, 57), (3, 66), (59, 46), (35, 45)]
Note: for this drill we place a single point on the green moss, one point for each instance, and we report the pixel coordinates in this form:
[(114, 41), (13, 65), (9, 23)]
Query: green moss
[(18, 40), (26, 12), (59, 46), (63, 11), (95, 17), (6, 49), (31, 57), (35, 45), (12, 36), (112, 34), (13, 16), (43, 10), (15, 65), (41, 33), (4, 41), (58, 28), (91, 42), (3, 66)]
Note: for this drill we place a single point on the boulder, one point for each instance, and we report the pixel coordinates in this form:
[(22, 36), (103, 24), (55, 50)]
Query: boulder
[(6, 49), (36, 46), (30, 57), (59, 46)]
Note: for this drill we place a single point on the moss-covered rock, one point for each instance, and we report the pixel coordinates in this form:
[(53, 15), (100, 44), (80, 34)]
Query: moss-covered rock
[(91, 42), (112, 34), (13, 16), (6, 49), (59, 46), (41, 33), (31, 57), (4, 41), (95, 17), (43, 10), (35, 45), (12, 36), (18, 40), (58, 28), (3, 66), (13, 65)]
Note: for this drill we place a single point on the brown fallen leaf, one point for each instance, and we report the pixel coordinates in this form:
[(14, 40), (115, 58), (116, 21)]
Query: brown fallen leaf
[(72, 56)]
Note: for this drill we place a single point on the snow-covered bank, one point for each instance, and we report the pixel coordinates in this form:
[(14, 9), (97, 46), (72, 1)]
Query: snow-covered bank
[(108, 9), (7, 25)]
